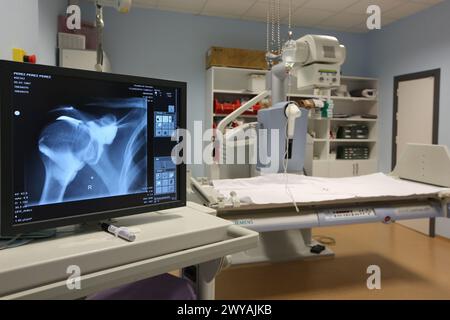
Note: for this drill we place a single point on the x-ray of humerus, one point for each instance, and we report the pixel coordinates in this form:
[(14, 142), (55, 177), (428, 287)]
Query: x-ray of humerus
[(99, 153)]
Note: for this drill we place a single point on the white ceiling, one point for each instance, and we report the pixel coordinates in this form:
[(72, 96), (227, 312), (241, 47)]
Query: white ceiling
[(341, 15)]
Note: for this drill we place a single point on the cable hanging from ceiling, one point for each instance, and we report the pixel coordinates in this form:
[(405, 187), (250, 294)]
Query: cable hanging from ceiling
[(273, 36)]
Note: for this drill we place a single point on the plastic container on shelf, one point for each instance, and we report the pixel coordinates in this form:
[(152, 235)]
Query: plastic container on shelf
[(229, 107), (256, 82)]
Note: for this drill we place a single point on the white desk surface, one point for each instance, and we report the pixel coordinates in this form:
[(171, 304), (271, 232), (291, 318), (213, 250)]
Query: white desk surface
[(167, 239)]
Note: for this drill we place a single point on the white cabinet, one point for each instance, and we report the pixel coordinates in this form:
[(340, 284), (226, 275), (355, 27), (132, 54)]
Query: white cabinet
[(321, 168), (366, 167), (340, 169), (348, 168)]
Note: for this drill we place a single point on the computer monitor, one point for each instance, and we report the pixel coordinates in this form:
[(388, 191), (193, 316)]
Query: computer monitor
[(79, 146)]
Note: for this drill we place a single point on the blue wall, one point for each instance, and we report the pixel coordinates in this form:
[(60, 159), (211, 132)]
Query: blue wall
[(417, 43), (171, 45), (32, 26), (48, 28), (18, 26)]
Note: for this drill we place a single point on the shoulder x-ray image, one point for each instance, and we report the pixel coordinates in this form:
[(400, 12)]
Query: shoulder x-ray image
[(94, 154)]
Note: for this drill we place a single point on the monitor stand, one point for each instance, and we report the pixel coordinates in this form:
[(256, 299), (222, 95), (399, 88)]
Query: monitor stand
[(26, 238)]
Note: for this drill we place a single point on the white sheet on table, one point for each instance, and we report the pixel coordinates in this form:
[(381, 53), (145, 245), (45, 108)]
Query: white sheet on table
[(271, 189)]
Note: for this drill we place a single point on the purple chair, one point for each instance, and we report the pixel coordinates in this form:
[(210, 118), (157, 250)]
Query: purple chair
[(163, 287)]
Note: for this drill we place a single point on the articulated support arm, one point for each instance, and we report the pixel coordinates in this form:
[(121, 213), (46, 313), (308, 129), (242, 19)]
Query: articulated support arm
[(100, 25), (236, 113)]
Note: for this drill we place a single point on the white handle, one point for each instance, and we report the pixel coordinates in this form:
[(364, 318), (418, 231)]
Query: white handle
[(292, 113)]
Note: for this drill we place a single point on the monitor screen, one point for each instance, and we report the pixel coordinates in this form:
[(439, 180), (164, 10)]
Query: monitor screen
[(80, 145)]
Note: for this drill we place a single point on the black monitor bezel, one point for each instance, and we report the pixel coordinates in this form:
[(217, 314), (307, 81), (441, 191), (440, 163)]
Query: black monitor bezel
[(7, 226)]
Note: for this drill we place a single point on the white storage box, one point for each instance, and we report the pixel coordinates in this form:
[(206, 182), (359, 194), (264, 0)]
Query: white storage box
[(257, 82)]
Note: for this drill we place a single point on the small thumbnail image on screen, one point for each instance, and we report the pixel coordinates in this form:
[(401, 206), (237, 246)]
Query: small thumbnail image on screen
[(89, 150)]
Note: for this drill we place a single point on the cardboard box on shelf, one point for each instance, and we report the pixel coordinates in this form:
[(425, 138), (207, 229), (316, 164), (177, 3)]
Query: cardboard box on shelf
[(236, 58)]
